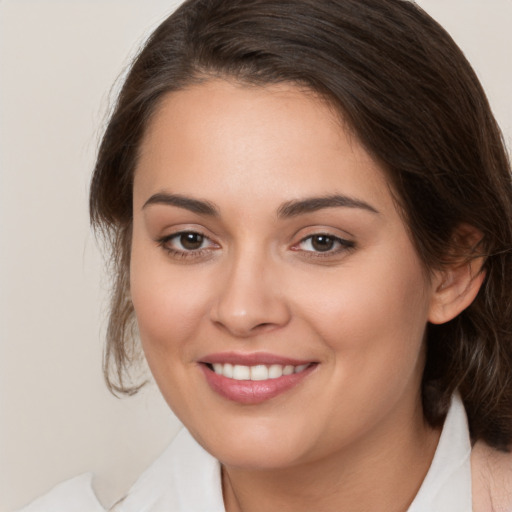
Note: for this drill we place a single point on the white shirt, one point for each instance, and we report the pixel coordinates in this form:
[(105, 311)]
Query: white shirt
[(185, 478)]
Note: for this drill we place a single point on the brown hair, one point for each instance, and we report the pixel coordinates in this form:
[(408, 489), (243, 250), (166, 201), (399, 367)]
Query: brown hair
[(409, 94)]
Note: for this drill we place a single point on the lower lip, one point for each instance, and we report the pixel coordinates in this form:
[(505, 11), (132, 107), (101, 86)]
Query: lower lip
[(253, 391)]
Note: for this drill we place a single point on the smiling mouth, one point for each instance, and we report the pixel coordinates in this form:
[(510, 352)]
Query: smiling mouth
[(257, 372), (254, 383)]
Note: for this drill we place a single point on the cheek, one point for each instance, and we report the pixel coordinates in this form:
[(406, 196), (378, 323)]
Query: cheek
[(169, 307), (372, 321), (372, 314), (169, 303)]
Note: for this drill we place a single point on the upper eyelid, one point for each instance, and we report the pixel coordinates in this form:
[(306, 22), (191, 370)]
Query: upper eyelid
[(182, 232), (336, 233), (324, 233), (188, 229), (343, 241), (323, 229)]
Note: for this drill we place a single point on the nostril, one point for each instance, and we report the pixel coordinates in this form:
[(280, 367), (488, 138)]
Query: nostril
[(266, 326), (245, 310)]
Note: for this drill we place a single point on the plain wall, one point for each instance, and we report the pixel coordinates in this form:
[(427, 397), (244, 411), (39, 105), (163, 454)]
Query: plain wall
[(58, 61)]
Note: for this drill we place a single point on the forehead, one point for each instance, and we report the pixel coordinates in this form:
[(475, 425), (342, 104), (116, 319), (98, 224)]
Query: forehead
[(254, 143)]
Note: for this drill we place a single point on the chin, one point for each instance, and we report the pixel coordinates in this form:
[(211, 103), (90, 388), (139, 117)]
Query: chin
[(257, 457), (259, 446)]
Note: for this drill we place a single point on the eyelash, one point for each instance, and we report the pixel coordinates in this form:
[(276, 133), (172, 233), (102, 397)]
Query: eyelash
[(184, 254), (343, 245)]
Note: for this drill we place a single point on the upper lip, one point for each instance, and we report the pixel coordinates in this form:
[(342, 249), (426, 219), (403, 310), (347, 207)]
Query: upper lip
[(252, 359)]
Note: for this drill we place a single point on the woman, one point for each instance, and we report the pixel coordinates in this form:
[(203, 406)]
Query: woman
[(310, 209)]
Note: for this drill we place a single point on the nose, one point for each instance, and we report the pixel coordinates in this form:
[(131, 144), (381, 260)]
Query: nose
[(250, 299)]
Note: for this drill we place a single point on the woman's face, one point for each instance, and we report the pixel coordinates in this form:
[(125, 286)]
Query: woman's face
[(280, 301)]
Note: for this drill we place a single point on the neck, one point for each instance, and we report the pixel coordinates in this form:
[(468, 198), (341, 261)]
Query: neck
[(383, 471)]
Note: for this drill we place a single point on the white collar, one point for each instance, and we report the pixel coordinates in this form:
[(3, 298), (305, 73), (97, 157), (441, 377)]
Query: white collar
[(185, 478), (447, 486)]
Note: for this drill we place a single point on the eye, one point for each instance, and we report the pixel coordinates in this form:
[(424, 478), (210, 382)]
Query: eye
[(323, 243), (320, 243), (188, 241), (187, 244)]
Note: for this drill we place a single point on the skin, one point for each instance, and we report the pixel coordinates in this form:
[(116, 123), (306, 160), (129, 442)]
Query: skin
[(491, 479), (350, 436)]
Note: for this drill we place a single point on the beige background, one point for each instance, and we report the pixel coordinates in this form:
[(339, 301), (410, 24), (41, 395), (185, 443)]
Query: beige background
[(58, 60)]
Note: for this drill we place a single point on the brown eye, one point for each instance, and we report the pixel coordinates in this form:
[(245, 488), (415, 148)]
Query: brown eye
[(191, 241), (322, 243), (188, 245)]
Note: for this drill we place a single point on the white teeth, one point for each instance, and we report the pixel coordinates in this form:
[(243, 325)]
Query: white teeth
[(275, 371), (288, 369), (227, 370), (257, 372), (241, 372)]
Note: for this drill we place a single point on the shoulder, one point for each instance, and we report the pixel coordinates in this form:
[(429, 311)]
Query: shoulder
[(74, 495), (183, 478), (492, 479)]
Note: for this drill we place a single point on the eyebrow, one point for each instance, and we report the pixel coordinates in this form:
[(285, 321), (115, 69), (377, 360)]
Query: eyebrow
[(286, 210), (194, 205), (313, 204)]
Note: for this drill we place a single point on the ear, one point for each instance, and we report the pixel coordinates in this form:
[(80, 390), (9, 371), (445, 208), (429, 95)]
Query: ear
[(457, 284)]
